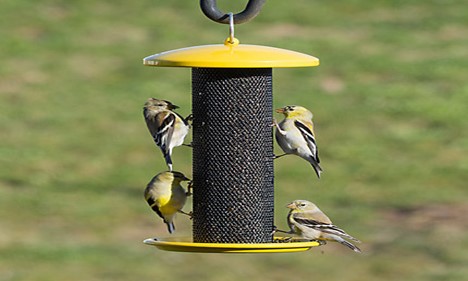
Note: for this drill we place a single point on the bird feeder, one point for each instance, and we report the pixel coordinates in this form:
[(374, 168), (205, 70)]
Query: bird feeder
[(232, 107)]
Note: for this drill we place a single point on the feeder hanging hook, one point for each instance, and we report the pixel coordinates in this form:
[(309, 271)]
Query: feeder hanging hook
[(210, 9), (231, 39)]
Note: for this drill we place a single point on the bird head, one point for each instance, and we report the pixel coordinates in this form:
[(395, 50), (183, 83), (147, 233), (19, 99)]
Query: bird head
[(157, 104), (174, 177), (178, 177), (301, 206), (295, 111)]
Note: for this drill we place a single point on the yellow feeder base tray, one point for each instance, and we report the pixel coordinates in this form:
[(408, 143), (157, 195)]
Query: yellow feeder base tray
[(178, 245)]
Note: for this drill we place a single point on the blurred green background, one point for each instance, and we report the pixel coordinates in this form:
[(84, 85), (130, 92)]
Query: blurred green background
[(390, 101)]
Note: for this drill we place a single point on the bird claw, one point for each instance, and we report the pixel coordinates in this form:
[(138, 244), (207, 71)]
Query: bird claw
[(189, 145), (189, 188), (321, 242), (274, 123), (274, 230), (283, 239), (190, 214), (278, 156), (288, 239), (189, 118)]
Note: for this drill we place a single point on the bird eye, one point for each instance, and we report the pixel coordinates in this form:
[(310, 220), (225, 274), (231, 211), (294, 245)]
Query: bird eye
[(302, 205)]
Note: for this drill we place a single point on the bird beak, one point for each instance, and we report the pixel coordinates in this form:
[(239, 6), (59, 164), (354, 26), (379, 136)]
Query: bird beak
[(279, 110), (291, 206), (186, 179), (173, 106)]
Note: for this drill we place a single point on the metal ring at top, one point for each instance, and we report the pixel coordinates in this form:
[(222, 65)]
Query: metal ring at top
[(210, 9)]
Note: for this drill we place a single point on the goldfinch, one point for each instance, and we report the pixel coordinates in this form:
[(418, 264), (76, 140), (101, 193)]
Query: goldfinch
[(166, 196), (309, 222), (295, 135), (167, 128)]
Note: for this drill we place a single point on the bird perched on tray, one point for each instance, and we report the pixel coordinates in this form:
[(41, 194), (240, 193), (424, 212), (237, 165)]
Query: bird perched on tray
[(167, 128), (295, 135), (309, 222), (167, 197)]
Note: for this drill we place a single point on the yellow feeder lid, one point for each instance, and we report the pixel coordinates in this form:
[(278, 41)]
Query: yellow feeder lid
[(178, 245), (231, 55)]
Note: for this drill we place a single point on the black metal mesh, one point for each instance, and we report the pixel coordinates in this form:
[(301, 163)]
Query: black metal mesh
[(232, 155)]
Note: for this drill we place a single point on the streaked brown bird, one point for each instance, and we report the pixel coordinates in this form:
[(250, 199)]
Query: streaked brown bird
[(167, 128)]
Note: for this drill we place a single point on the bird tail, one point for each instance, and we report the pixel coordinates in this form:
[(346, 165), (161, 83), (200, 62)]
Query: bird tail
[(318, 170), (170, 226), (349, 245), (167, 157)]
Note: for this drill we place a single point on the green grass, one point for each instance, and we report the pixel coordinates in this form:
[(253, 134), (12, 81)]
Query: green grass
[(389, 98)]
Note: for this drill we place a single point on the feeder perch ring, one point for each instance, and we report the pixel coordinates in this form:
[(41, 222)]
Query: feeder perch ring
[(178, 245)]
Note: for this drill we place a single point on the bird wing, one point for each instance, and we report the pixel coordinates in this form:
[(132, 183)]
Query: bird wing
[(307, 132), (317, 217), (185, 120), (325, 227), (163, 129), (153, 205)]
